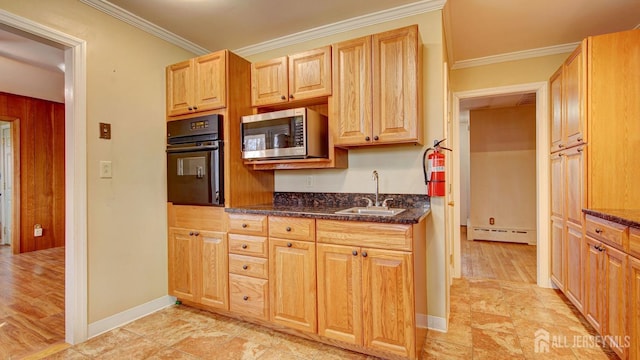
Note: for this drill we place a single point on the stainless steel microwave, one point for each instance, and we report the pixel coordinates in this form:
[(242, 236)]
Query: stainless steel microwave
[(286, 134)]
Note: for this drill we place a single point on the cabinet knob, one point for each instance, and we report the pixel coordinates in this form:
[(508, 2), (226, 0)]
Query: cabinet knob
[(598, 231), (245, 267), (289, 244), (190, 108), (579, 139), (245, 298), (375, 138), (291, 96), (244, 225), (190, 233), (244, 246), (364, 254), (196, 233), (354, 253), (288, 228), (580, 149), (560, 145), (283, 97), (367, 138), (195, 108)]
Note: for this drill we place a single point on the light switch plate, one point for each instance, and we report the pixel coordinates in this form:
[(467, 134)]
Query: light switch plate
[(105, 169), (105, 131)]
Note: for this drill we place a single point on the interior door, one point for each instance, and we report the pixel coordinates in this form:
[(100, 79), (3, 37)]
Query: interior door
[(7, 183)]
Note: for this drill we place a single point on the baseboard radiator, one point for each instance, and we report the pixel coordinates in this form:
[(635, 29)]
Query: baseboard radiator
[(525, 236)]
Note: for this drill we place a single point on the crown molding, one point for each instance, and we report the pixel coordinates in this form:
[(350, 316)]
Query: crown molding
[(303, 36), (399, 12), (517, 55), (153, 29)]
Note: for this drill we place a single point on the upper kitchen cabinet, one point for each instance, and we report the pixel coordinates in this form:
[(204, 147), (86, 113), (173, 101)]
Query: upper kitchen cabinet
[(377, 89), (197, 84), (301, 76)]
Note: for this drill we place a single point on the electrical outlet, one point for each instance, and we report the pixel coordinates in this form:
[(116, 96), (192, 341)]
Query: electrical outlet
[(309, 181), (105, 169), (37, 230)]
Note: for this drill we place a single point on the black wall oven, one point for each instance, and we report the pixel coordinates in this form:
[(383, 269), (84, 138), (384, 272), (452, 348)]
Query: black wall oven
[(195, 161)]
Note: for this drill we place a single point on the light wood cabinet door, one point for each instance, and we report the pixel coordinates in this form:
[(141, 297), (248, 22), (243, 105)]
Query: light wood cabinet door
[(352, 96), (210, 82), (558, 252), (269, 83), (593, 278), (179, 88), (182, 264), (388, 301), (310, 74), (292, 277), (395, 86), (555, 88), (575, 194), (574, 286), (340, 293), (634, 308), (574, 95), (213, 269), (615, 302)]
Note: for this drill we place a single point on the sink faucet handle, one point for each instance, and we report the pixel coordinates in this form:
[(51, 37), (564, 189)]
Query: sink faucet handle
[(384, 202), (369, 202)]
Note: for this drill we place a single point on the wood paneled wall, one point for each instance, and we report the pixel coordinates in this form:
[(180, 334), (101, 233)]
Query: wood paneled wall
[(41, 170)]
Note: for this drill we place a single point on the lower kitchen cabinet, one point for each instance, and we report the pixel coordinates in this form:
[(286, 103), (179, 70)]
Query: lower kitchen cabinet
[(365, 297), (198, 266), (292, 278), (606, 293), (634, 308)]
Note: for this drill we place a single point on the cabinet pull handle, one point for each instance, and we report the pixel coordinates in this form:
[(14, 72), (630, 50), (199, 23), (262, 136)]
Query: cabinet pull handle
[(195, 108), (580, 149), (245, 267), (598, 231), (561, 154), (288, 228), (190, 233), (283, 97), (376, 138), (560, 145), (364, 254), (355, 253), (196, 233), (291, 96), (289, 244), (244, 225), (367, 138), (244, 246), (579, 139), (190, 108), (245, 298)]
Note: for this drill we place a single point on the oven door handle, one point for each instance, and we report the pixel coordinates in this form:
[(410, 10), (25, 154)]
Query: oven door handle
[(193, 148)]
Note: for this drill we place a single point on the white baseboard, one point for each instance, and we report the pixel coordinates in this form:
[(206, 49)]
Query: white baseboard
[(127, 316), (437, 323)]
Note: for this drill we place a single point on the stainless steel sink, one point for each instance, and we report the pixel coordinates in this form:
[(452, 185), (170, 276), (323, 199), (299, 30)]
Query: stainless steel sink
[(373, 210)]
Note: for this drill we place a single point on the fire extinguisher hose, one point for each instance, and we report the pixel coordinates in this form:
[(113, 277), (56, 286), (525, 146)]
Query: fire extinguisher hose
[(424, 165)]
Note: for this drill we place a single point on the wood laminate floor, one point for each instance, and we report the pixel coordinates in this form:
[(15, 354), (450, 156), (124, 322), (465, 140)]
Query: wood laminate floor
[(494, 315)]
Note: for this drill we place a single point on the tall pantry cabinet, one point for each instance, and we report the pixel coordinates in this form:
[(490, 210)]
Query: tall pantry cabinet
[(595, 137)]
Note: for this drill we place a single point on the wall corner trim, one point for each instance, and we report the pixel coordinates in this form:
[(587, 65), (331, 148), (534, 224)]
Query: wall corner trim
[(127, 316)]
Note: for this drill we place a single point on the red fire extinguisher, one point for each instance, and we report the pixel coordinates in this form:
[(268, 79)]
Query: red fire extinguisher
[(433, 167)]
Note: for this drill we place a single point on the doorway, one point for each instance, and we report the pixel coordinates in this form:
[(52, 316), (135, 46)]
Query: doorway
[(75, 51), (540, 90), (6, 183)]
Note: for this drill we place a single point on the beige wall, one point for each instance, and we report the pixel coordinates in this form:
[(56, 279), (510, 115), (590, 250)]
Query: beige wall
[(127, 237), (503, 168), (400, 167), (506, 73)]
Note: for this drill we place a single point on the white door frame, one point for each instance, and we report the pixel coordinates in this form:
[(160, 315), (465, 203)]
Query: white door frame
[(75, 79), (542, 170)]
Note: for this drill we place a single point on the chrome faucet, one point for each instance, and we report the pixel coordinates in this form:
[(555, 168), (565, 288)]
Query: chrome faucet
[(375, 177)]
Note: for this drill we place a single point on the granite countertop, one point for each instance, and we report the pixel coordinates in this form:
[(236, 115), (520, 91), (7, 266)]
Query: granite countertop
[(623, 217), (324, 206)]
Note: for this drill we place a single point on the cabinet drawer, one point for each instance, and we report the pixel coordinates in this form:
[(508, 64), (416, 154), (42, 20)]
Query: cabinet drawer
[(249, 296), (248, 245), (196, 217), (609, 232), (366, 234), (248, 224), (292, 228), (249, 266), (634, 242)]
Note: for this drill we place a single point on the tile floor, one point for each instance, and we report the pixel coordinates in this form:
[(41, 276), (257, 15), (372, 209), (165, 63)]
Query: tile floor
[(490, 319)]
